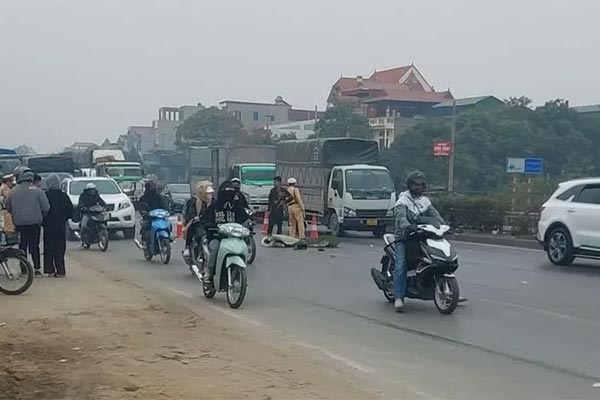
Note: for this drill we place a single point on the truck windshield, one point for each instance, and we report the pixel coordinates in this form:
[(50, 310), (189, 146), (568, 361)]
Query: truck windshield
[(369, 182), (258, 176), (121, 172)]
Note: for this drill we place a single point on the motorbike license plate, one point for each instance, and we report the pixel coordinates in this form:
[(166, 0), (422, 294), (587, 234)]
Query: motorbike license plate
[(372, 222)]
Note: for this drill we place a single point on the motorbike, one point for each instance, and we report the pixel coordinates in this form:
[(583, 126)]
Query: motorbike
[(97, 231), (431, 264), (158, 239), (230, 269), (16, 272), (199, 249)]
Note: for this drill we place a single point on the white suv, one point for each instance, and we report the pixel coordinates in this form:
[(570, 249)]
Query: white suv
[(122, 213), (569, 225)]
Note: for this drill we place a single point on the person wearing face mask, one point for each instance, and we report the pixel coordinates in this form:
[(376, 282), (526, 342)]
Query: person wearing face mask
[(411, 205)]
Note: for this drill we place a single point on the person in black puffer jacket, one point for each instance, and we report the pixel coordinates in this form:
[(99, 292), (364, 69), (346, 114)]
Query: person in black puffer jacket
[(55, 235)]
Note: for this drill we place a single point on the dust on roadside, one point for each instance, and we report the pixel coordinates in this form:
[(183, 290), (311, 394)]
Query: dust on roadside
[(93, 337)]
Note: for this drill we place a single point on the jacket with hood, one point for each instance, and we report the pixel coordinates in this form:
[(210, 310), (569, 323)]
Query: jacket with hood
[(61, 207), (27, 204), (89, 198), (407, 211)]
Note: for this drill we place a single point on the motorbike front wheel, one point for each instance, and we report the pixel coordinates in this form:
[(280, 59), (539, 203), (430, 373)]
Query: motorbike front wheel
[(103, 240), (236, 289), (251, 249), (16, 274), (164, 246), (446, 294)]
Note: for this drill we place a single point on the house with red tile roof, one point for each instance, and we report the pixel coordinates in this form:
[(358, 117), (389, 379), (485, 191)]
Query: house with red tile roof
[(386, 96)]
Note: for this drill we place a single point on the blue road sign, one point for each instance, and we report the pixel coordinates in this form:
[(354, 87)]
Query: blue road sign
[(534, 166)]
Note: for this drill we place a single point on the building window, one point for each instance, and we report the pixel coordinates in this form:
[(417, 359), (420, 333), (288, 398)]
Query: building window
[(256, 115), (238, 115)]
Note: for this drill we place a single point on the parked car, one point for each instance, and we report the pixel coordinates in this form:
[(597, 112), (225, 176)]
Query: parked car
[(569, 225), (178, 194), (122, 213)]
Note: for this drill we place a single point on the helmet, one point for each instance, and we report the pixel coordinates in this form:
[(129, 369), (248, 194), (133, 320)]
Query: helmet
[(210, 190), (416, 183), (292, 181), (236, 180), (150, 186), (24, 174), (90, 185)]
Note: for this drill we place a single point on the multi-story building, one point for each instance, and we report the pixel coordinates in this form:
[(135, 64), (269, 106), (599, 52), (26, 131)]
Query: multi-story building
[(165, 127), (301, 129), (140, 138)]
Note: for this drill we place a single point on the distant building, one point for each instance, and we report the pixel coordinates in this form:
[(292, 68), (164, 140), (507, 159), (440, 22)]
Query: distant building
[(480, 103), (140, 138), (302, 129), (589, 111), (257, 116), (165, 127)]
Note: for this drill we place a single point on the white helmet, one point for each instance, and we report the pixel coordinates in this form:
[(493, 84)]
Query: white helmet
[(90, 185), (292, 181)]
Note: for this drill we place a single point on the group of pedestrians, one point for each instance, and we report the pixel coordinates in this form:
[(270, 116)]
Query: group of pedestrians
[(27, 209), (288, 199)]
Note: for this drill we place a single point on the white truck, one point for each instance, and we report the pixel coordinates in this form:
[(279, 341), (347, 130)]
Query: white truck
[(341, 182), (253, 165)]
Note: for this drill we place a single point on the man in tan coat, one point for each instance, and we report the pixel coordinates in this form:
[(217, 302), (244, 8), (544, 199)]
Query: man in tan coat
[(295, 210), (7, 185)]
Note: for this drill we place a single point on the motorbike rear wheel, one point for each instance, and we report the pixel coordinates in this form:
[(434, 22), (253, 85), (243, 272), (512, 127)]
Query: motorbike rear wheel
[(236, 289), (446, 294), (164, 246), (103, 240), (8, 274)]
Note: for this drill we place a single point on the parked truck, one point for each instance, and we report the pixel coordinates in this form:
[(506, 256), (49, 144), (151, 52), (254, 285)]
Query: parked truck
[(62, 166), (254, 165), (341, 182), (129, 175)]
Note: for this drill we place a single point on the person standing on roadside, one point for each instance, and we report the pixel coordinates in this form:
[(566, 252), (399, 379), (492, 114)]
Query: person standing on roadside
[(295, 210), (28, 205), (5, 188), (55, 222), (37, 181), (277, 197)]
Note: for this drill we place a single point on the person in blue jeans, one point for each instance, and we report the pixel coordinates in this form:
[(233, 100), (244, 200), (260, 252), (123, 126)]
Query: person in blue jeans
[(410, 206)]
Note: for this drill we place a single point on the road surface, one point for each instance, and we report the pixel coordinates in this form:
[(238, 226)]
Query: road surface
[(529, 329)]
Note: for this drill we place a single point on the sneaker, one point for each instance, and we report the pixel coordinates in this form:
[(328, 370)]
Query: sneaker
[(38, 273), (186, 252), (59, 275), (399, 305)]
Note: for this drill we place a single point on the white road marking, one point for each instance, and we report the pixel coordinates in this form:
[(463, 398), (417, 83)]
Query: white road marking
[(351, 363)]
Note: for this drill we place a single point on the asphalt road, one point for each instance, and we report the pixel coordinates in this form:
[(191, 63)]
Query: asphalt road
[(529, 329)]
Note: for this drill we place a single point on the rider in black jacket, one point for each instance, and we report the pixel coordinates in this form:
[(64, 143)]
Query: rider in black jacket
[(87, 199), (151, 200)]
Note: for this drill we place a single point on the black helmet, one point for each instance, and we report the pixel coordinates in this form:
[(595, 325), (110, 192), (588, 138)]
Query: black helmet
[(150, 186), (415, 179), (24, 174)]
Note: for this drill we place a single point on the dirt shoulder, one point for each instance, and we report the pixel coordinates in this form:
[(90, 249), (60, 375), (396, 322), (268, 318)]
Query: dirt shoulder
[(91, 336)]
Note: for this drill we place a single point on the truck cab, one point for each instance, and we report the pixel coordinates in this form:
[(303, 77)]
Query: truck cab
[(129, 176), (360, 198), (256, 183)]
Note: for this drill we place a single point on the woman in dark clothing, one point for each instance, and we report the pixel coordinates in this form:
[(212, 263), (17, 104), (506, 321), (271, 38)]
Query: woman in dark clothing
[(55, 243)]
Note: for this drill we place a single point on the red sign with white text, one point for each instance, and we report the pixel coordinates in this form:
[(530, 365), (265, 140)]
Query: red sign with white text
[(442, 149)]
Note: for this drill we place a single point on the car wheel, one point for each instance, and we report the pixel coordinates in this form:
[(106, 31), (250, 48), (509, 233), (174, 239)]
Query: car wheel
[(560, 247), (129, 233)]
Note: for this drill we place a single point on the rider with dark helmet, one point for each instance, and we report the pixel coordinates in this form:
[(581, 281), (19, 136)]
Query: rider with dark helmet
[(151, 200), (411, 205)]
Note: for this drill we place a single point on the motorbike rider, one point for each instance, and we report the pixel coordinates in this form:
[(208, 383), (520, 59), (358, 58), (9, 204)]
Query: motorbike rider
[(88, 198), (152, 200), (411, 205), (193, 211), (226, 209), (237, 185)]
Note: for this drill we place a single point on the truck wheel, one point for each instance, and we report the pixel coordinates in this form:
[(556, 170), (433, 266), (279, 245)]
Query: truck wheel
[(334, 226)]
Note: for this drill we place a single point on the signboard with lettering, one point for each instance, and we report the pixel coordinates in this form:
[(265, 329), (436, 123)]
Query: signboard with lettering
[(530, 166), (442, 149)]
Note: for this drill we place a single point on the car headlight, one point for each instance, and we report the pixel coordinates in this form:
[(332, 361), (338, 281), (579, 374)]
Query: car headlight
[(124, 206), (348, 212), (390, 213)]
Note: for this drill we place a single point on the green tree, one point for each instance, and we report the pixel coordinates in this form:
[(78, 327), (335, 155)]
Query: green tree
[(341, 121), (211, 126)]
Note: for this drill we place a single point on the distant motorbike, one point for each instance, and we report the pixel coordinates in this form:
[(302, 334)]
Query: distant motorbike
[(230, 269), (158, 239), (430, 271), (16, 272), (250, 241), (97, 231)]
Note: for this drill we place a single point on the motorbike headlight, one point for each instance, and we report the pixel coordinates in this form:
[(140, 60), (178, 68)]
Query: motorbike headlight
[(348, 212), (124, 206), (390, 213), (235, 230)]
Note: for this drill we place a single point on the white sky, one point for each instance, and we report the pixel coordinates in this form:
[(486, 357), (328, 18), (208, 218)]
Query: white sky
[(85, 70)]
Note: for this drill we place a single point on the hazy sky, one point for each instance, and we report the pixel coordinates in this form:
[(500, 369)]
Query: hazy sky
[(85, 70)]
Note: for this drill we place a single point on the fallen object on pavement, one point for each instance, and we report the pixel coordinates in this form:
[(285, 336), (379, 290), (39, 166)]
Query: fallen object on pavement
[(284, 241)]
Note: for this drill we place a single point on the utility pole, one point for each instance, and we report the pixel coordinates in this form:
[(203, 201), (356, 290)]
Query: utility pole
[(452, 141)]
